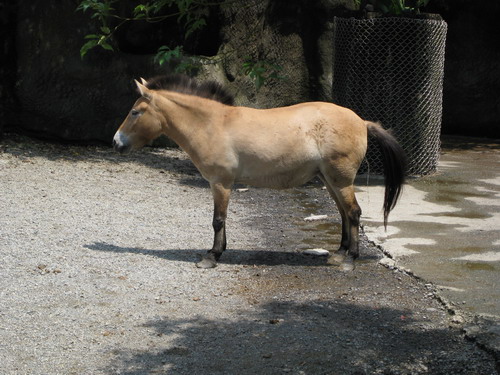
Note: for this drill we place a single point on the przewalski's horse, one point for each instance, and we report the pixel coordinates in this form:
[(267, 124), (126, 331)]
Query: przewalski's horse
[(274, 148)]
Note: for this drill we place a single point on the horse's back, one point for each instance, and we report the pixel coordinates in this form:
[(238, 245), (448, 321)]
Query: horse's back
[(287, 146), (309, 119), (324, 129)]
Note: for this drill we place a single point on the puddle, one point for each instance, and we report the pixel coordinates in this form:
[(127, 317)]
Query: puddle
[(325, 235), (446, 227), (463, 214), (477, 266)]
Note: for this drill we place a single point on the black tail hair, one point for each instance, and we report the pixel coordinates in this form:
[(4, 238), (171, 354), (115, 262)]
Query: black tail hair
[(394, 161)]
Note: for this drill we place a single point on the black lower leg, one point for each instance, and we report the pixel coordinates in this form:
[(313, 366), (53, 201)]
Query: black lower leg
[(221, 194), (220, 243), (344, 241), (354, 217), (210, 259)]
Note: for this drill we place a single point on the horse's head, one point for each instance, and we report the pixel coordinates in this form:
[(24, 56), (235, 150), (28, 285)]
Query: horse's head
[(142, 125)]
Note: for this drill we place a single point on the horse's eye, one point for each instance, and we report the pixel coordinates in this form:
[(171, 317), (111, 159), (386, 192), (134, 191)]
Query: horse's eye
[(134, 112)]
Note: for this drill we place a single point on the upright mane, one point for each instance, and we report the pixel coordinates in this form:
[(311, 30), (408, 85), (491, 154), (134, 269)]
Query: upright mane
[(186, 85)]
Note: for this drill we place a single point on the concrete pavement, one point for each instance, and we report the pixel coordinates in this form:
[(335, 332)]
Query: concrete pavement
[(446, 227)]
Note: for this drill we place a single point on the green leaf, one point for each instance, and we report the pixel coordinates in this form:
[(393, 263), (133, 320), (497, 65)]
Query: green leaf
[(87, 46), (106, 46), (83, 7), (140, 9), (165, 54), (261, 71), (196, 25)]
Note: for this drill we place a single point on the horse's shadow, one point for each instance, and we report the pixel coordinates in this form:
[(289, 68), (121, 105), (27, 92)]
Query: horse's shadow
[(232, 257)]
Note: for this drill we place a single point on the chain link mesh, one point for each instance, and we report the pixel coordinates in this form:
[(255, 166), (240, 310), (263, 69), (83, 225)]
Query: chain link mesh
[(391, 70)]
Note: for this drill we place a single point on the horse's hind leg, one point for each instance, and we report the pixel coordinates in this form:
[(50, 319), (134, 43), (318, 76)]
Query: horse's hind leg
[(344, 242), (350, 211), (221, 195)]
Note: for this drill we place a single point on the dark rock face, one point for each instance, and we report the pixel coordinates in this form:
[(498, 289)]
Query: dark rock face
[(296, 34), (48, 91), (7, 59), (471, 100), (55, 94), (58, 94)]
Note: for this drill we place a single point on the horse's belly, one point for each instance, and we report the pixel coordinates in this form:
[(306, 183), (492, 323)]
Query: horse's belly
[(277, 162), (276, 177)]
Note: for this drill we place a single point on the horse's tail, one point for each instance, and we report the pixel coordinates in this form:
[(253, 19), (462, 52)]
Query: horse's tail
[(394, 161)]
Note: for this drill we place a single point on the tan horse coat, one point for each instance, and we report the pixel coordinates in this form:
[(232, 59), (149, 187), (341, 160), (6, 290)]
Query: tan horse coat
[(275, 148)]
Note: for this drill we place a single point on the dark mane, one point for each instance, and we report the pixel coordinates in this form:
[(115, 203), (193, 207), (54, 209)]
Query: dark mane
[(186, 85)]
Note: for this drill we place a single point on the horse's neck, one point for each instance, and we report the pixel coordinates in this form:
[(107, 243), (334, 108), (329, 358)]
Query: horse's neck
[(190, 120)]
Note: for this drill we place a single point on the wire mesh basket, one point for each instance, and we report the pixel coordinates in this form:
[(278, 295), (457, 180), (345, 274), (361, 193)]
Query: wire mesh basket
[(391, 70)]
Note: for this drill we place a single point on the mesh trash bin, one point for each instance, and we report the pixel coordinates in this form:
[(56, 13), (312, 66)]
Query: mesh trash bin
[(390, 70)]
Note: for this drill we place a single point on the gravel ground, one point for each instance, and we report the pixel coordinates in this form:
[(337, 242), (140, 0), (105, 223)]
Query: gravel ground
[(97, 276)]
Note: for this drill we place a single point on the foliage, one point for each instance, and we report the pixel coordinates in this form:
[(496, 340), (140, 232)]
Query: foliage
[(261, 71), (395, 7), (102, 11), (176, 57), (189, 14)]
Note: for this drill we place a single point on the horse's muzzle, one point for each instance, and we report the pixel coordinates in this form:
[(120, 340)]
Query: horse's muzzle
[(122, 149), (121, 143)]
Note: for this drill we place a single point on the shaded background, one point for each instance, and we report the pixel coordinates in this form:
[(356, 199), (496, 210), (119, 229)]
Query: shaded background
[(48, 91)]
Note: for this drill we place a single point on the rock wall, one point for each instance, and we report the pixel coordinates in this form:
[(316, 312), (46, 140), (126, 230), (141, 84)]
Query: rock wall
[(48, 91), (8, 61), (471, 100), (57, 95)]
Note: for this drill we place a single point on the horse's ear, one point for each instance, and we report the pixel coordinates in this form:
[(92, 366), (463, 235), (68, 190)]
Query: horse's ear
[(143, 81), (143, 90)]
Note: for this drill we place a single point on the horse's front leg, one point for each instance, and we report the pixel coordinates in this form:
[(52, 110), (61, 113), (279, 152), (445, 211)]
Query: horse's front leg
[(221, 195)]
